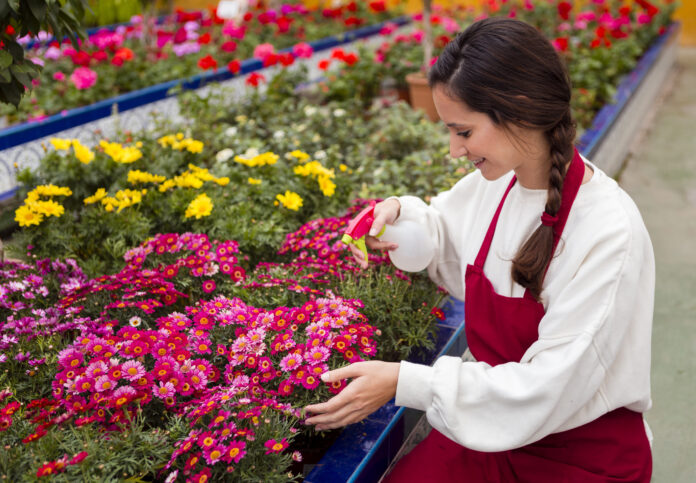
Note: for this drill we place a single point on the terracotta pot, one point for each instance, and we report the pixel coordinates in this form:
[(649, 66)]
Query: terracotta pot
[(421, 95)]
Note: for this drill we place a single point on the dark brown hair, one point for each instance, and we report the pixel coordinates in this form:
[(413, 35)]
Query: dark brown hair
[(508, 70)]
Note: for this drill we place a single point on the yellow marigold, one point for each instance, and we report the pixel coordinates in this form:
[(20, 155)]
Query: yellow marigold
[(82, 152), (254, 181), (136, 176), (259, 160), (98, 196), (170, 183), (25, 216), (343, 167), (201, 173), (290, 200), (167, 140), (188, 180), (61, 144), (47, 208), (121, 154), (201, 206), (224, 181), (128, 198)]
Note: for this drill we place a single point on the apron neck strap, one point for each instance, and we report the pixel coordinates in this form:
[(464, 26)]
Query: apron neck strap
[(571, 185)]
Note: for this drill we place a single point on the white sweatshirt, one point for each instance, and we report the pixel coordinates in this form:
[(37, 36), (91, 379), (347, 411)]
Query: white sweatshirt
[(593, 351)]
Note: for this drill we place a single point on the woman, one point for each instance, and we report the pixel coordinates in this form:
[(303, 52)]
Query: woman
[(556, 270)]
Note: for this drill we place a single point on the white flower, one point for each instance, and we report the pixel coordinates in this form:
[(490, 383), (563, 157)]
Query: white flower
[(224, 155), (250, 153), (135, 321), (231, 131), (310, 111), (278, 135), (339, 113)]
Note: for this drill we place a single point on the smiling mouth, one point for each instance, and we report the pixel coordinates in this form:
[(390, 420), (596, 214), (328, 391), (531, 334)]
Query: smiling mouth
[(477, 162)]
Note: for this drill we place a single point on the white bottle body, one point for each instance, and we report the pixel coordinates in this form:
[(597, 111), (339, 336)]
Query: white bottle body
[(416, 249)]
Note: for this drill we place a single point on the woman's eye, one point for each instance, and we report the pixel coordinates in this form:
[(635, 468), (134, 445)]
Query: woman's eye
[(464, 134)]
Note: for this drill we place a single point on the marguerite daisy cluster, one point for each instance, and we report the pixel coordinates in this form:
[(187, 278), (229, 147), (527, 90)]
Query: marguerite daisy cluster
[(82, 152), (36, 207), (179, 142)]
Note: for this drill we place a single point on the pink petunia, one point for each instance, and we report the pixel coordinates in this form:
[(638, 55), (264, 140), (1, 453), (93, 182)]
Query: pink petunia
[(303, 50), (83, 77)]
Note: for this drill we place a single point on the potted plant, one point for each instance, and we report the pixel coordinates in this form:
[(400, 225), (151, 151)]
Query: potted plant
[(419, 90)]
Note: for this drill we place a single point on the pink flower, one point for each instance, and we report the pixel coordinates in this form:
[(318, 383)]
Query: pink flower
[(104, 383), (310, 381), (83, 78), (231, 30), (263, 50), (133, 370), (59, 76), (208, 286), (235, 451), (275, 446), (388, 28), (78, 458), (644, 18), (303, 50), (290, 362), (315, 355), (164, 390)]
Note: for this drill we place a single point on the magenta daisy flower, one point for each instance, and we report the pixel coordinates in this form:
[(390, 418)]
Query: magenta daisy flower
[(208, 286), (70, 358), (164, 390), (290, 362), (104, 383), (317, 355), (84, 383), (285, 388), (274, 446), (310, 381), (235, 451), (133, 370), (206, 440), (202, 477), (123, 395)]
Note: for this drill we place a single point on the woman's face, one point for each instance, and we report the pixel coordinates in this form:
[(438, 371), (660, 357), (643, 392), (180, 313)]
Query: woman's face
[(492, 149)]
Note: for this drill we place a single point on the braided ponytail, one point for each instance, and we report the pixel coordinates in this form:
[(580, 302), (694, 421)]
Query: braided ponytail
[(529, 265), (508, 70)]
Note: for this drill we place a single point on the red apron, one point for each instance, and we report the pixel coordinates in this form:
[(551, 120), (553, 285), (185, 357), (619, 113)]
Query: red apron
[(612, 448)]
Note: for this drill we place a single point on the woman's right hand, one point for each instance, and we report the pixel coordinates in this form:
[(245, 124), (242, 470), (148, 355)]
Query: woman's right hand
[(386, 212)]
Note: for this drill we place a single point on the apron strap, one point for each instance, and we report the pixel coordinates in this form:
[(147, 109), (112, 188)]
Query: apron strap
[(571, 185)]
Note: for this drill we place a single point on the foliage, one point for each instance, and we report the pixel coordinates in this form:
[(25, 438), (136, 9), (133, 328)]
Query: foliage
[(18, 19)]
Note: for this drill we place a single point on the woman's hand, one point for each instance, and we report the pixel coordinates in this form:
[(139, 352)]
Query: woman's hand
[(386, 212), (373, 385)]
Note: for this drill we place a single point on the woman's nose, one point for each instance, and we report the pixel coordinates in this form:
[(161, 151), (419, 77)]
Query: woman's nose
[(458, 149)]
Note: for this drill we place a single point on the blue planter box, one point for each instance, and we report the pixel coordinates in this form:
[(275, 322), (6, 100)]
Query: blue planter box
[(364, 450)]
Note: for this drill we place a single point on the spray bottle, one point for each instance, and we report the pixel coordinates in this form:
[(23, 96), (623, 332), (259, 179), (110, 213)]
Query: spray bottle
[(415, 248)]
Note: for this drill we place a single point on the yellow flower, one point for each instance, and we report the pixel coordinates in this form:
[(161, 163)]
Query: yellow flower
[(128, 198), (343, 167), (201, 206), (25, 216), (259, 160), (61, 144), (50, 190), (326, 185), (48, 208), (82, 153), (224, 181), (98, 196), (300, 155), (170, 183), (290, 200), (254, 181), (136, 176), (121, 154)]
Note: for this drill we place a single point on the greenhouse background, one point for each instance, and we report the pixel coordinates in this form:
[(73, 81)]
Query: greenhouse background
[(161, 216)]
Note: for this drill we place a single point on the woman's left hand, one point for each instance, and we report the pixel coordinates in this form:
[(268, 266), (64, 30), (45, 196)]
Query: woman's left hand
[(373, 385)]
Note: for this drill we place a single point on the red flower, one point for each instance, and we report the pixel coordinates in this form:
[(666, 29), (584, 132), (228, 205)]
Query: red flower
[(338, 54), (351, 58), (229, 46), (100, 56), (47, 469), (561, 43), (234, 66), (324, 64), (248, 16), (180, 36), (286, 59), (378, 6), (81, 58), (283, 24), (254, 79), (353, 21), (204, 39), (437, 312), (270, 59), (78, 458), (207, 62), (9, 30), (564, 9), (238, 273)]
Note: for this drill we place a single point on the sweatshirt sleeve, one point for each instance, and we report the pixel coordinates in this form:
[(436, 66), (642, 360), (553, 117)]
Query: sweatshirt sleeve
[(441, 219), (514, 404)]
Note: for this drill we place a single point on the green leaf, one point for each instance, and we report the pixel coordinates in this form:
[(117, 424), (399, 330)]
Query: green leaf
[(5, 59), (38, 8), (14, 5), (5, 75)]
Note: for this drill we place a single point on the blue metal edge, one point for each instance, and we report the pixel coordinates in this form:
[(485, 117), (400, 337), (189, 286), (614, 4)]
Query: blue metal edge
[(30, 131), (603, 121), (364, 450)]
